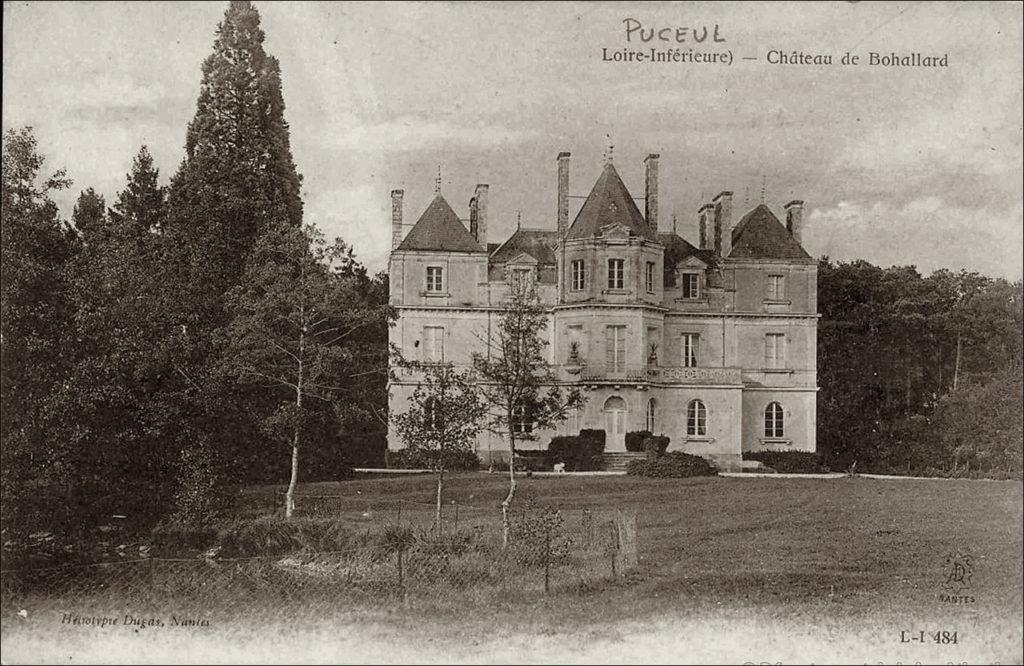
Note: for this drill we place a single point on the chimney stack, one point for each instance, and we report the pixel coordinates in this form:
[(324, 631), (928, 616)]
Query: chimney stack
[(563, 195), (651, 191), (723, 223), (478, 215), (396, 218), (705, 218), (795, 219)]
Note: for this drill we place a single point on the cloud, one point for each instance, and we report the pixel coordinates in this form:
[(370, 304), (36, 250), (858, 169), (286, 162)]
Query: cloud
[(925, 232), (360, 216)]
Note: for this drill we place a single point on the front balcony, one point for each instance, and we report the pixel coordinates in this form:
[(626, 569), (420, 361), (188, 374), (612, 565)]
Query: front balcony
[(650, 374)]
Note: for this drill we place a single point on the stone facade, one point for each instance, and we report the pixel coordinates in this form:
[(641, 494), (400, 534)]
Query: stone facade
[(713, 345)]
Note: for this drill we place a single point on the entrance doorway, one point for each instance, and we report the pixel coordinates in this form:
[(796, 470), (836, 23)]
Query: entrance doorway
[(615, 424)]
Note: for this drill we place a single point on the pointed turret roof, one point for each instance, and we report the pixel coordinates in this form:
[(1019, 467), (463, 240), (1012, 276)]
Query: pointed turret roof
[(440, 230), (760, 235), (609, 202)]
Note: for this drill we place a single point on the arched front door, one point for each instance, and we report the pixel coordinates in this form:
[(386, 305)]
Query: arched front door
[(615, 424)]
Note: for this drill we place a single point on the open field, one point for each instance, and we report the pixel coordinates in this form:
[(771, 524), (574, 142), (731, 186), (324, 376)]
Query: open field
[(730, 569)]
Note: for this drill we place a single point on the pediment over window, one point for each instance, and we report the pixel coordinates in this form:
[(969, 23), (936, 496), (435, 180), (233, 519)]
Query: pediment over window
[(691, 263), (615, 230), (522, 260)]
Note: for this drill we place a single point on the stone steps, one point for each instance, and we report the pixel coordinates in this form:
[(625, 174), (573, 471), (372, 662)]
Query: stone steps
[(616, 461)]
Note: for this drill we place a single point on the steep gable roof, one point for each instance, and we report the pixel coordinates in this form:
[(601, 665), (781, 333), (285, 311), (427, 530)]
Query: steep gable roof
[(678, 248), (609, 203), (760, 235), (538, 243), (439, 229)]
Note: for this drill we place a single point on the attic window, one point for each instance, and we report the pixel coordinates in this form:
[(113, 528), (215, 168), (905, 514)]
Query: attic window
[(520, 278), (435, 279), (691, 285)]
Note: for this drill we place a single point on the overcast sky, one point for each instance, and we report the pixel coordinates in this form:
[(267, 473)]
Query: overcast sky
[(897, 166)]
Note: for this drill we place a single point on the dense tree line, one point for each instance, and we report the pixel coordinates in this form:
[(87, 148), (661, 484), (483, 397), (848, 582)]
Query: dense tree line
[(919, 374), (134, 338)]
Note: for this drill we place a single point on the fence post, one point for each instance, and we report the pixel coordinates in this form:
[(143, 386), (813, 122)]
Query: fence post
[(547, 559), (625, 527), (613, 548)]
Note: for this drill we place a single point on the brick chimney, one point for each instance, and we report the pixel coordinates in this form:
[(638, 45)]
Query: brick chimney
[(651, 191), (396, 218), (795, 219), (723, 223), (563, 194), (706, 221), (478, 215)]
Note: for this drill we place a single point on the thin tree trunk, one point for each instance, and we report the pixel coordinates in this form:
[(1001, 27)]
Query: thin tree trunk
[(507, 504), (289, 501), (956, 366), (437, 518)]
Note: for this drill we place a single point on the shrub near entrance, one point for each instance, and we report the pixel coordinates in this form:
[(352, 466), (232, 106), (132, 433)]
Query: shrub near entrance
[(674, 465)]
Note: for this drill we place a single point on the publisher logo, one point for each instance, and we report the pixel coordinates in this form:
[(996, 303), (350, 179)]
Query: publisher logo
[(957, 575)]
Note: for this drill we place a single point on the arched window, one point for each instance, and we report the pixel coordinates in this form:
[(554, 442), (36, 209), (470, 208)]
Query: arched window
[(696, 419), (652, 407), (773, 420)]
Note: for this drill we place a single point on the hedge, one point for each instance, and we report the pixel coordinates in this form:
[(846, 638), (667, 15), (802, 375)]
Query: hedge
[(635, 440), (674, 465), (582, 453), (789, 462)]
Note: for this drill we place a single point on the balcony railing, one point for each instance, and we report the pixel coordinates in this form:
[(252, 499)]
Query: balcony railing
[(652, 374)]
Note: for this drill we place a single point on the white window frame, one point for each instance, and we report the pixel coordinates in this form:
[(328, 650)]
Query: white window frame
[(433, 344), (435, 286), (775, 287), (774, 421), (696, 418), (689, 348), (649, 277), (521, 423), (615, 348), (685, 283), (775, 351), (579, 275), (652, 410), (616, 273)]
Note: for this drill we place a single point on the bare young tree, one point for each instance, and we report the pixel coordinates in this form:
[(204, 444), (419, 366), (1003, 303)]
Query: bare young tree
[(292, 318), (442, 421), (515, 380)]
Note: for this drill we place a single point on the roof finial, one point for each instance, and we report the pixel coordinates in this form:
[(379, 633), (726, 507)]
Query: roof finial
[(519, 218), (764, 186), (437, 181), (609, 150), (673, 223), (746, 196)]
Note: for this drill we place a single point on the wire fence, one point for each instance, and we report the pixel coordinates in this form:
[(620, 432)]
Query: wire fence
[(408, 563)]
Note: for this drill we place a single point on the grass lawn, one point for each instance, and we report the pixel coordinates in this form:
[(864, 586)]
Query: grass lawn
[(756, 569)]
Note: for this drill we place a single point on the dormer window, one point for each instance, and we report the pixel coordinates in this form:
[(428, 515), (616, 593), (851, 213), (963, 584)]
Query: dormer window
[(435, 279), (616, 273), (691, 285), (521, 278)]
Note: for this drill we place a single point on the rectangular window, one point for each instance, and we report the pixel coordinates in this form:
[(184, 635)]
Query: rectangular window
[(615, 356), (690, 349), (435, 279), (776, 287), (522, 424), (691, 285), (775, 350), (616, 273), (521, 278), (649, 277), (578, 275), (433, 344)]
